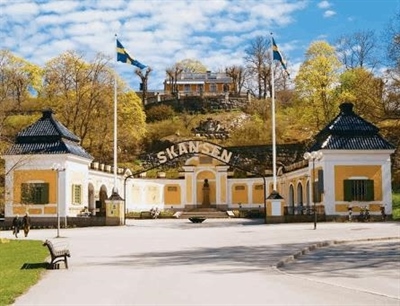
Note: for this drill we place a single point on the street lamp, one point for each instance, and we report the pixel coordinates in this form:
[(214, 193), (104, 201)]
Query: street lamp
[(313, 156), (58, 168)]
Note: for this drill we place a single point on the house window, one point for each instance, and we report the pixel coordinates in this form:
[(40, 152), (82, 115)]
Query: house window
[(34, 193), (172, 189), (213, 87), (259, 187), (187, 88), (77, 194), (240, 187), (358, 190)]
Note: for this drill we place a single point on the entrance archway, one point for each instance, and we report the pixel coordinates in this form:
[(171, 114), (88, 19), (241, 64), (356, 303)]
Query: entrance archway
[(247, 163)]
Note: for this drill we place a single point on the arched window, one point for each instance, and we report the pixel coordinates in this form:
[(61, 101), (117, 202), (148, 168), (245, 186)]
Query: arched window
[(299, 198), (291, 200)]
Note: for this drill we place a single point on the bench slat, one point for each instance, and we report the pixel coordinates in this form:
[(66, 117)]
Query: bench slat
[(57, 254)]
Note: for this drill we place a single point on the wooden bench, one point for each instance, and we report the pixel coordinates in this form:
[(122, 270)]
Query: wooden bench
[(57, 254)]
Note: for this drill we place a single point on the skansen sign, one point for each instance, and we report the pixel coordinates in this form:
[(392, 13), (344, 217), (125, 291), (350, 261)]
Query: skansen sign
[(192, 147)]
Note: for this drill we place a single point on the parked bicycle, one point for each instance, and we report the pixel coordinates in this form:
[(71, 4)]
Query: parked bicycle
[(383, 213), (364, 214), (350, 212)]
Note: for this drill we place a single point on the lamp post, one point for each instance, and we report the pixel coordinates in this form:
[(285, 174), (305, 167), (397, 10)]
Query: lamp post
[(313, 156), (58, 168)]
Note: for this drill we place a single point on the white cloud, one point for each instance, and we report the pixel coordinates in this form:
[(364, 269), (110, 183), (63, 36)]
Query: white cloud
[(324, 5), (157, 32), (59, 7), (329, 13)]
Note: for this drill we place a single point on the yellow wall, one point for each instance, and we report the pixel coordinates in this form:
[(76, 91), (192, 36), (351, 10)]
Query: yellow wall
[(371, 172), (223, 183), (189, 191), (344, 208), (43, 176), (239, 196), (195, 87), (172, 194), (258, 194)]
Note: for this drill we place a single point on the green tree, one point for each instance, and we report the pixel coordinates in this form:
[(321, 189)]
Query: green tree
[(82, 95), (364, 90), (250, 132), (19, 80), (315, 86)]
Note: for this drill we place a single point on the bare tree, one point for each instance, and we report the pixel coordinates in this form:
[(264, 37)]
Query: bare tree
[(258, 59), (173, 74), (358, 50), (237, 73), (391, 37), (144, 78)]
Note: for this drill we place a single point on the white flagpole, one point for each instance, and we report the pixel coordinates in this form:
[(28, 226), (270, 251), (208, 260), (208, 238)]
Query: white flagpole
[(115, 126), (273, 116)]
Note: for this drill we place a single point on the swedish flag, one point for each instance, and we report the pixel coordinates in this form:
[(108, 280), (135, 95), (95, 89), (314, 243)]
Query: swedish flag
[(123, 56), (276, 55)]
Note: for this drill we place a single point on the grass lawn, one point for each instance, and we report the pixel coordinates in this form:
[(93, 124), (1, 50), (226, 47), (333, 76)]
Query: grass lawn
[(14, 278), (396, 206)]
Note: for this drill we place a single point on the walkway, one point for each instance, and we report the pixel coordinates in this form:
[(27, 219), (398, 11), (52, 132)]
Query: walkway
[(223, 262)]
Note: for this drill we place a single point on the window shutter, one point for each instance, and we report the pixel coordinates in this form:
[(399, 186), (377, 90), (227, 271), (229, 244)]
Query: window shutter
[(321, 181), (347, 190), (316, 193), (45, 193), (369, 190)]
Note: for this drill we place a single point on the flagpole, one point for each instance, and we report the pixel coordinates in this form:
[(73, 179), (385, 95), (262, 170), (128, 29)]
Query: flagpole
[(115, 127), (273, 117)]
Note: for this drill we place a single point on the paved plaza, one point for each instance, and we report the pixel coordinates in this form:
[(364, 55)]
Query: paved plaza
[(223, 262)]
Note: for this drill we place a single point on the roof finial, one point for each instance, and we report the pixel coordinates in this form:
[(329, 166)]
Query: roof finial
[(346, 108), (47, 113)]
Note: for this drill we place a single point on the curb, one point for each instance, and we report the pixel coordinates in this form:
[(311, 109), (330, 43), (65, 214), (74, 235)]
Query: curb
[(322, 244)]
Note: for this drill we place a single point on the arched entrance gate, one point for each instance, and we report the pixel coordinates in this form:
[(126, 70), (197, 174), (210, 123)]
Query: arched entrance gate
[(206, 186)]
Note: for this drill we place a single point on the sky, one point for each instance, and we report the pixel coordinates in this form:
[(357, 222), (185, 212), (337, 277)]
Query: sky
[(160, 33)]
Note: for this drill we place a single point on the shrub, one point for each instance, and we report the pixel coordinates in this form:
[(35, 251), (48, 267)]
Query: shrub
[(159, 113)]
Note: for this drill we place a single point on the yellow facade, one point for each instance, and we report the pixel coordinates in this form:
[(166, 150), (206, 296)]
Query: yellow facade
[(240, 194), (344, 172), (223, 183), (43, 176), (30, 176), (172, 194), (258, 194)]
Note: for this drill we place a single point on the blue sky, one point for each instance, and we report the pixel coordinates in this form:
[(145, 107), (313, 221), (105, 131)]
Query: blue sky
[(160, 33)]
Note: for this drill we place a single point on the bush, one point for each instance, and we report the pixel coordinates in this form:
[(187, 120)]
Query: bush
[(159, 113), (396, 206)]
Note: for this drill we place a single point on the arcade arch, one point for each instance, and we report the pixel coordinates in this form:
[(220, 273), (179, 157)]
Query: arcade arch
[(291, 200), (91, 201)]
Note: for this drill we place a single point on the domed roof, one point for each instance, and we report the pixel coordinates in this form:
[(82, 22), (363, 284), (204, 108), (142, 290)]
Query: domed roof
[(47, 136), (348, 131)]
